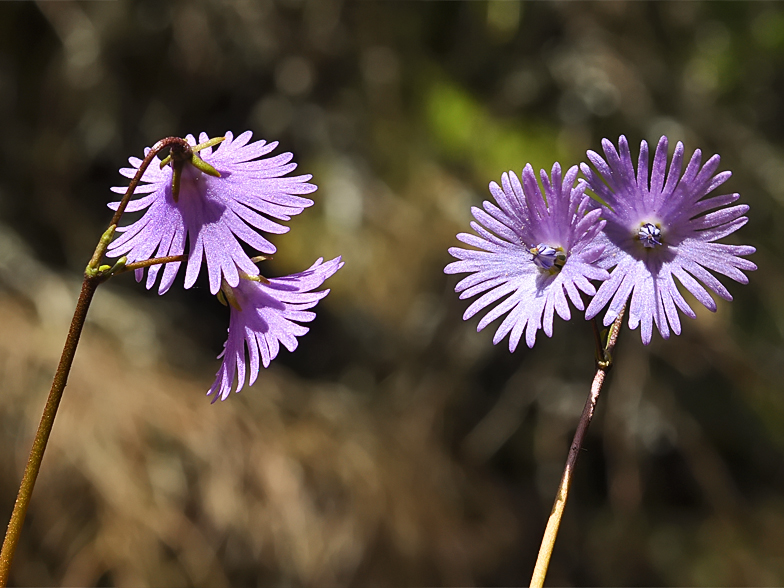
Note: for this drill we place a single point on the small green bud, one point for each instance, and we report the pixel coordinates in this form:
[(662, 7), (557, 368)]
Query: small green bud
[(108, 234)]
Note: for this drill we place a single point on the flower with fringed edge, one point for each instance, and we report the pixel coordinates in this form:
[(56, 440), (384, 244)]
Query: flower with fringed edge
[(534, 249), (213, 213), (658, 229), (263, 315)]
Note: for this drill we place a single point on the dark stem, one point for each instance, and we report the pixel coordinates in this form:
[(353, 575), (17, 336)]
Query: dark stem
[(603, 365), (93, 276), (45, 428)]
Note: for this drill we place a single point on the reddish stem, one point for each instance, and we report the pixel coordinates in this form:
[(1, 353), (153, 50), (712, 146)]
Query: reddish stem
[(45, 428), (92, 278)]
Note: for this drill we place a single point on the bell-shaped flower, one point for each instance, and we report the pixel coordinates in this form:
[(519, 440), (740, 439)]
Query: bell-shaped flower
[(264, 315), (213, 214)]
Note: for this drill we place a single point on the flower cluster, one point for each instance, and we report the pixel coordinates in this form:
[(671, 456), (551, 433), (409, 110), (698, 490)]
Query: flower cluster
[(536, 248), (234, 194)]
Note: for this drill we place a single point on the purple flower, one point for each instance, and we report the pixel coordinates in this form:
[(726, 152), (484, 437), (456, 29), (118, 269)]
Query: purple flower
[(214, 213), (262, 317), (657, 230), (542, 251)]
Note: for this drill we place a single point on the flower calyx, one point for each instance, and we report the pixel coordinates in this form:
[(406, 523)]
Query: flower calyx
[(226, 294), (259, 278), (227, 298), (182, 153)]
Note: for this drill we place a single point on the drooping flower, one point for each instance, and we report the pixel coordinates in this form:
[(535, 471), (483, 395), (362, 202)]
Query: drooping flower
[(213, 213), (263, 315), (539, 252), (659, 230)]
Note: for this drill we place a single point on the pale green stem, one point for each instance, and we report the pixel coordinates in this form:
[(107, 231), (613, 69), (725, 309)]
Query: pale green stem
[(603, 365)]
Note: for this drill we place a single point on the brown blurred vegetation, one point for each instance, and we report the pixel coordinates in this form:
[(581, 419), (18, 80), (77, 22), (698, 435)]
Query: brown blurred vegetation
[(397, 447)]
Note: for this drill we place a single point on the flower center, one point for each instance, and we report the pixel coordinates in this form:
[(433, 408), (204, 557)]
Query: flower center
[(548, 258), (650, 235)]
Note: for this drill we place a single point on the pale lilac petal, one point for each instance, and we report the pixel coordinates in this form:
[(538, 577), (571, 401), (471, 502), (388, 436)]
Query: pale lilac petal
[(669, 307), (677, 204), (696, 289), (215, 213), (267, 319), (714, 202), (714, 219), (503, 273)]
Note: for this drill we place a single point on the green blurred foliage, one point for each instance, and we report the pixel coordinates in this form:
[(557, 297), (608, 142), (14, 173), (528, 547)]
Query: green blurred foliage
[(465, 132)]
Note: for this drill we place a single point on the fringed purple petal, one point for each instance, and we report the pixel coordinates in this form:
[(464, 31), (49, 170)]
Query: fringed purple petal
[(214, 213), (502, 270), (266, 320), (671, 214)]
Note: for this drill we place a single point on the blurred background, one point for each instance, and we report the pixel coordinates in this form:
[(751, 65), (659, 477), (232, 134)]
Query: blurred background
[(396, 447)]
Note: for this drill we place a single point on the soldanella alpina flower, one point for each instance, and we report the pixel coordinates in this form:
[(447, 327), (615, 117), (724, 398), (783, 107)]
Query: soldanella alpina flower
[(659, 230), (535, 252), (215, 206), (264, 314)]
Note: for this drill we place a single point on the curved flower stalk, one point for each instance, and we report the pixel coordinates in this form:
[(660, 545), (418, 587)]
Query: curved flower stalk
[(213, 212), (534, 249), (213, 200), (263, 315), (658, 229)]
